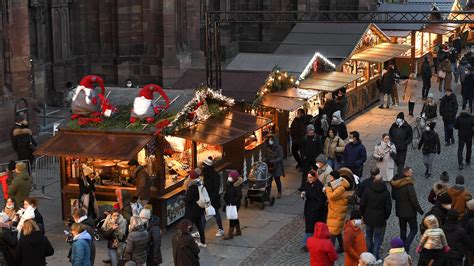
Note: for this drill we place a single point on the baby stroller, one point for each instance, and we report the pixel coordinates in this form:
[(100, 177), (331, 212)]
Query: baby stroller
[(260, 182)]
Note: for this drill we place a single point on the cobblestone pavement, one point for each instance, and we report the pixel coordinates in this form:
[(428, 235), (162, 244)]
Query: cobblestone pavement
[(283, 247)]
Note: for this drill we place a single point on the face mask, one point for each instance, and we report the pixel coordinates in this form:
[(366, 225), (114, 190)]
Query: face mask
[(230, 179), (351, 140), (447, 206), (270, 142), (467, 72), (399, 121), (357, 222), (427, 128), (10, 206), (334, 119), (129, 85)]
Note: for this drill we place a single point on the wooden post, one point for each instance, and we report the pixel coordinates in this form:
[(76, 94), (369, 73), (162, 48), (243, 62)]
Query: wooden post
[(413, 51)]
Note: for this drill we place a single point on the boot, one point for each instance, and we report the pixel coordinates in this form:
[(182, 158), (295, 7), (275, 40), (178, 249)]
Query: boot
[(237, 231), (230, 235)]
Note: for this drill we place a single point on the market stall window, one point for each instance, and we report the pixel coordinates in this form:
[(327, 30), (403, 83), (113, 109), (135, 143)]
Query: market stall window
[(422, 44), (205, 151), (178, 160), (258, 137)]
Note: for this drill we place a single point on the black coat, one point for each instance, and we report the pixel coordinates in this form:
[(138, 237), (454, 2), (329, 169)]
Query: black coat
[(439, 212), (341, 130), (311, 147), (401, 136), (185, 250), (154, 256), (315, 207), (448, 107), (233, 193), (376, 204), (364, 185), (21, 143), (468, 225), (429, 110), (192, 210), (430, 142), (457, 238), (298, 129), (426, 72), (212, 182), (330, 106), (464, 124), (467, 87), (388, 80), (33, 250), (406, 201)]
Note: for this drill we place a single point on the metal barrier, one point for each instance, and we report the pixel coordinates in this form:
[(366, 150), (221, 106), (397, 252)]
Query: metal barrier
[(4, 166), (45, 173)]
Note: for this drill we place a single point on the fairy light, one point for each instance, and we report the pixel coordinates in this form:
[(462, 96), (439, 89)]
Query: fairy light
[(307, 70)]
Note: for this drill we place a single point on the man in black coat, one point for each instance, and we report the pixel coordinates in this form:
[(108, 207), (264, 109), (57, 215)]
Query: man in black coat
[(468, 225), (464, 124), (367, 182), (192, 210), (426, 74), (467, 88), (441, 208), (401, 134), (406, 205), (457, 238), (212, 183), (448, 109), (297, 130), (311, 147), (388, 81)]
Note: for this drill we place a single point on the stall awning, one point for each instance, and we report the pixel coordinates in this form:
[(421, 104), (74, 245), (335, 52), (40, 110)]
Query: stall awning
[(102, 145), (282, 103), (296, 93), (220, 130), (397, 33), (329, 82), (442, 29), (381, 52)]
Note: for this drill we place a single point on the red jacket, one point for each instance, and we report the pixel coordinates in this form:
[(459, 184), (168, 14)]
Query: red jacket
[(321, 249), (354, 244)]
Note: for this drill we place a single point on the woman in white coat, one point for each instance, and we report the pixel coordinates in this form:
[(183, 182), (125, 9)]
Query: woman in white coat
[(383, 153)]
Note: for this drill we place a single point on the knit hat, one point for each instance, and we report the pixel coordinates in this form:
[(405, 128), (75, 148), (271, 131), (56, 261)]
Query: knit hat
[(322, 159), (459, 180), (145, 214), (430, 95), (444, 177), (470, 205), (452, 215), (208, 161), (432, 125), (356, 214), (11, 165), (87, 170), (335, 174), (401, 115), (445, 199), (397, 243), (195, 173), (234, 174), (309, 127)]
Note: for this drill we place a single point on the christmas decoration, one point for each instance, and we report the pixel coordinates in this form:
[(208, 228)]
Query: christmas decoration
[(317, 64), (278, 80), (144, 107)]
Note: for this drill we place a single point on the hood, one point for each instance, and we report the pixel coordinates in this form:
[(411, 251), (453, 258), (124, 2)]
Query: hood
[(276, 141), (23, 176), (378, 187), (321, 231), (84, 235), (440, 187), (465, 113), (431, 222), (402, 182), (350, 224), (238, 182), (338, 117), (35, 238), (22, 131), (458, 190)]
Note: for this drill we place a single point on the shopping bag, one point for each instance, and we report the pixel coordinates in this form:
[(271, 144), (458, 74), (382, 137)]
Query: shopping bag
[(441, 74), (231, 212), (210, 211)]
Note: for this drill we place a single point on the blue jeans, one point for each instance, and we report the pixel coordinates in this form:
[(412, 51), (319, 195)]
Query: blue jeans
[(374, 239), (448, 131), (306, 236), (113, 255), (218, 219), (335, 165)]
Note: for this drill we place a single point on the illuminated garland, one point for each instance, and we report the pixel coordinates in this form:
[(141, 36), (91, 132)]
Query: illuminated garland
[(278, 80), (309, 68)]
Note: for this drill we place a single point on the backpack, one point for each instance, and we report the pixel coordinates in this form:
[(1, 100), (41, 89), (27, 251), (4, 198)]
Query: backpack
[(204, 200)]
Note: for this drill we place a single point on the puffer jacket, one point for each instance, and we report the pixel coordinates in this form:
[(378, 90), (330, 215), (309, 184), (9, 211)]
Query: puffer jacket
[(457, 239), (137, 245), (464, 124), (433, 237), (438, 189), (376, 205), (404, 194), (430, 110), (401, 136), (430, 142), (354, 154), (274, 155), (467, 89), (354, 243), (321, 250), (21, 139), (448, 107), (324, 174), (333, 146), (338, 124), (154, 256), (337, 207), (460, 195), (397, 257), (81, 252)]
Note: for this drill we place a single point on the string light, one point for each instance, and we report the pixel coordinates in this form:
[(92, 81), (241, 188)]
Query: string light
[(307, 70)]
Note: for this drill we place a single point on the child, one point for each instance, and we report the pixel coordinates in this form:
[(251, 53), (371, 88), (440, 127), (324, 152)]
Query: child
[(321, 250), (397, 254), (354, 239), (432, 243)]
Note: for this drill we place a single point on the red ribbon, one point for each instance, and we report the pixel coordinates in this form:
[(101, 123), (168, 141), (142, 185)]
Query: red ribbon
[(161, 125)]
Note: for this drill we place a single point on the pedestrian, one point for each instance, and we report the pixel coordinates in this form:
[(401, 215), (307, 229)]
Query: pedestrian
[(192, 210), (273, 156), (10, 209), (397, 254), (311, 147), (453, 59), (337, 207), (80, 251), (457, 43), (429, 110), (409, 92), (368, 259), (185, 250), (142, 180), (137, 242), (113, 230), (330, 105), (368, 181), (467, 88), (384, 152), (212, 183), (338, 124), (388, 81), (297, 130), (124, 203), (441, 208), (31, 204), (464, 124), (468, 225), (324, 170), (395, 100), (315, 206), (426, 74), (321, 125), (406, 206), (342, 102), (459, 195), (152, 225), (23, 142), (401, 134), (321, 249), (233, 196), (6, 178), (458, 241), (80, 217), (87, 192), (129, 83), (354, 239), (333, 149), (355, 154), (431, 146), (445, 76), (33, 247), (448, 109), (376, 206), (20, 187), (433, 244), (462, 69), (439, 187)]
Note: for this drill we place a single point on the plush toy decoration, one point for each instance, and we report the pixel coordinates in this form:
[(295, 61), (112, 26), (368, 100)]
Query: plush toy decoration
[(144, 107), (85, 101)]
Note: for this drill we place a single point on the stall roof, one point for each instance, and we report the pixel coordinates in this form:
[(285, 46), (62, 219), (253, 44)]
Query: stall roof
[(296, 93), (294, 64), (329, 81), (442, 29), (388, 7), (282, 103), (220, 130), (397, 33), (94, 145), (381, 52)]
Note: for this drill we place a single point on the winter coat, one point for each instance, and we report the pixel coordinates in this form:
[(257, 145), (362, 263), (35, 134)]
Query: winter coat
[(22, 137), (33, 249), (321, 250), (426, 72), (20, 187), (460, 195), (297, 130), (311, 147), (433, 237), (81, 252), (315, 206), (430, 111), (457, 239), (233, 193), (439, 212), (333, 147), (185, 249), (337, 206), (324, 174), (384, 161), (364, 185), (404, 194), (464, 124), (409, 92), (114, 235), (212, 183), (154, 256), (192, 210), (467, 87), (87, 187), (143, 183), (448, 108), (461, 71), (354, 243), (137, 246), (397, 257), (388, 81), (430, 142), (330, 106), (338, 124), (438, 189), (88, 223), (354, 154), (468, 225), (343, 104), (401, 136), (274, 155), (446, 67), (376, 205)]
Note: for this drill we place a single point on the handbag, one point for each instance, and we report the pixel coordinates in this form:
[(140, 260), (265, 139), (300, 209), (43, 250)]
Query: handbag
[(231, 212), (31, 146), (441, 74), (209, 212)]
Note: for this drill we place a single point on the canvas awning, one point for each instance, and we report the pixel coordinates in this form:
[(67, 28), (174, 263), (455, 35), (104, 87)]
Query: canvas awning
[(101, 145), (282, 103), (442, 29), (296, 93), (329, 81), (220, 130), (381, 52), (397, 33)]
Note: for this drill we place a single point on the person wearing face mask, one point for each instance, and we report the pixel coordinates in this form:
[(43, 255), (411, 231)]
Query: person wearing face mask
[(185, 250), (467, 88), (431, 146), (338, 125), (10, 209), (129, 83), (152, 225), (311, 147), (406, 205), (355, 154), (273, 156), (448, 109), (333, 149), (401, 134), (384, 153), (297, 135), (323, 168), (429, 110), (354, 239), (233, 196)]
